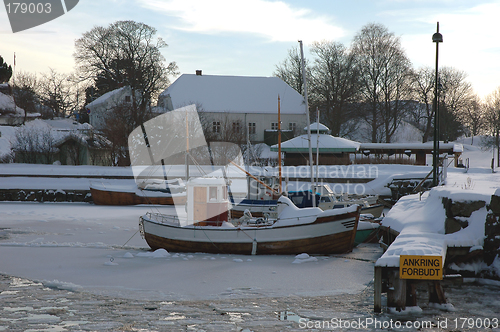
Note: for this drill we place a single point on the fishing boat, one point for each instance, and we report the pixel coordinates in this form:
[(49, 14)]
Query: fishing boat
[(208, 227)]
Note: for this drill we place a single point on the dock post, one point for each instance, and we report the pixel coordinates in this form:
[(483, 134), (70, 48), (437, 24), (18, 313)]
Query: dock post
[(377, 294), (436, 292), (396, 293)]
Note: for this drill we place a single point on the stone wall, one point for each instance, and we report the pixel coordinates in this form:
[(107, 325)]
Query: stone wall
[(492, 231)]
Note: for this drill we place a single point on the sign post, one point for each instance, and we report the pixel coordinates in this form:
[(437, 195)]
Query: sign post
[(421, 267)]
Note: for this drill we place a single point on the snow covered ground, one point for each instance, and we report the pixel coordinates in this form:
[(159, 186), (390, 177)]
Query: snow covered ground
[(98, 248)]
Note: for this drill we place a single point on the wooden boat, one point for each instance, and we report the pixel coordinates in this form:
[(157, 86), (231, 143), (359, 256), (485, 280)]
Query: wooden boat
[(366, 232), (106, 193), (294, 231)]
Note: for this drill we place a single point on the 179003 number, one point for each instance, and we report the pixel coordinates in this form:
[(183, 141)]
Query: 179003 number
[(31, 7)]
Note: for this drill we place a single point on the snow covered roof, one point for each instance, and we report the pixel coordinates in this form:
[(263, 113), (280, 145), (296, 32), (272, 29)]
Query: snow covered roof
[(67, 124), (326, 143), (106, 96), (7, 104), (456, 147), (315, 126), (236, 94)]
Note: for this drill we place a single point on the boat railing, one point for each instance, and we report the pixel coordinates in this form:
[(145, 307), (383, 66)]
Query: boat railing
[(163, 218)]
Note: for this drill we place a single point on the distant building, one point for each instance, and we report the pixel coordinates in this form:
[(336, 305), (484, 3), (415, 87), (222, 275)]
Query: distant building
[(241, 105), (341, 151), (100, 108), (332, 150)]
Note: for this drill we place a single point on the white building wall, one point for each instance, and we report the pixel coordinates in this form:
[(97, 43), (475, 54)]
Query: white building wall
[(263, 122)]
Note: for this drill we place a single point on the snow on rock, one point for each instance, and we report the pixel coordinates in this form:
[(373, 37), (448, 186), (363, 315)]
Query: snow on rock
[(128, 255), (110, 263), (160, 253), (304, 258)]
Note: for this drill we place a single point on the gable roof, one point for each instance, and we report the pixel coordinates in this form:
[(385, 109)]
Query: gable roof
[(326, 144), (108, 95), (236, 94)]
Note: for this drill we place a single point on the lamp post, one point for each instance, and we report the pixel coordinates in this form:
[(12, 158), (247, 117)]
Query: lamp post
[(436, 38)]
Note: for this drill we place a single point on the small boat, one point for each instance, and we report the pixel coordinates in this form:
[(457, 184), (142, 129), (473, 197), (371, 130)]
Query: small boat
[(367, 231), (208, 228), (326, 199), (156, 192)]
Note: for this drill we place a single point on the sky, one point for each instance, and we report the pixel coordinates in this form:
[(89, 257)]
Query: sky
[(252, 37)]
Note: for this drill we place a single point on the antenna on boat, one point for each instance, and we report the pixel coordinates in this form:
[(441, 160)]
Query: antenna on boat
[(279, 145), (308, 121)]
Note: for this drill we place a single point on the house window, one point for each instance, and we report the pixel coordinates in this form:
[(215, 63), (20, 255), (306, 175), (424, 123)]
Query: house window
[(216, 126), (274, 125), (127, 99), (252, 128), (236, 127), (292, 126)]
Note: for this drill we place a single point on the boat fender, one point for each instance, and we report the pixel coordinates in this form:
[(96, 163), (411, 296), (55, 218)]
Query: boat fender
[(141, 227), (254, 247)]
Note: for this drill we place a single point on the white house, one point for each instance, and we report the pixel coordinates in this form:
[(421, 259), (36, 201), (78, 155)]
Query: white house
[(243, 104), (99, 108)]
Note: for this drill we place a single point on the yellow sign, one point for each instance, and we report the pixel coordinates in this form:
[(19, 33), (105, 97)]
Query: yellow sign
[(421, 267)]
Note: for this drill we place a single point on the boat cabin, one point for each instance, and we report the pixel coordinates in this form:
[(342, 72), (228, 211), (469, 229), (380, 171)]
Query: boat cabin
[(207, 201)]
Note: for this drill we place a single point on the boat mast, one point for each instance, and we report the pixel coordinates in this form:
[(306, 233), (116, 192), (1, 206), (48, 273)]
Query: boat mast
[(279, 145), (317, 148), (187, 148), (304, 78)]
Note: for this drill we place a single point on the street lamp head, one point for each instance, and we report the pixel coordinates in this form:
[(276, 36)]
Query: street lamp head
[(437, 38)]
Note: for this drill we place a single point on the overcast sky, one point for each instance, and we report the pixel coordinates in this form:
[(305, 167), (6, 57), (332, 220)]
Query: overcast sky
[(250, 37)]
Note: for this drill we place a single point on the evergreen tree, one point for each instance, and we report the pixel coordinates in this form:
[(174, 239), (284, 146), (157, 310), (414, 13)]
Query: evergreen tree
[(5, 71)]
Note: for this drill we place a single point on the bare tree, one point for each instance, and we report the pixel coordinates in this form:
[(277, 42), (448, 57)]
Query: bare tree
[(125, 53), (290, 70), (24, 89), (473, 116), (493, 120), (33, 146), (454, 96), (386, 72), (423, 92), (55, 92), (116, 131), (335, 84)]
